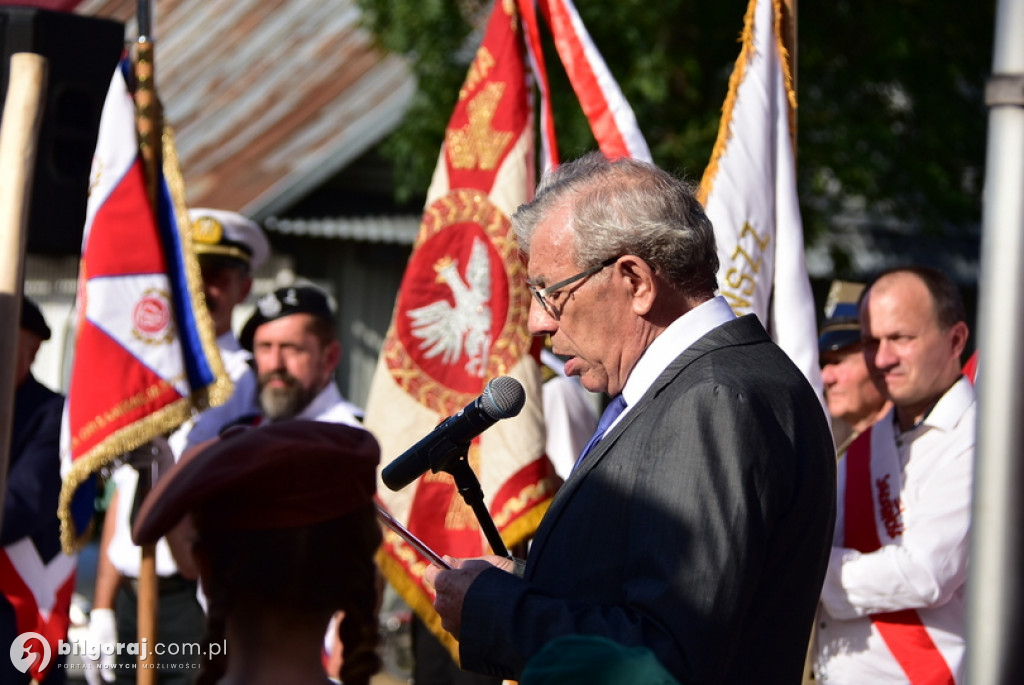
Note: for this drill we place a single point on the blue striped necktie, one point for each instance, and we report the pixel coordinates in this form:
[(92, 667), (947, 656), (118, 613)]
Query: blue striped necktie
[(611, 413)]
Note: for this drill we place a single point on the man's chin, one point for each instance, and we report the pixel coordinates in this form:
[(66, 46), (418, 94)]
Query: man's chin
[(277, 405)]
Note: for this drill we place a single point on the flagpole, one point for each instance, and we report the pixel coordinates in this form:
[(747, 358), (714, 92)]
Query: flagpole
[(789, 34), (995, 600), (789, 41), (19, 138), (149, 124)]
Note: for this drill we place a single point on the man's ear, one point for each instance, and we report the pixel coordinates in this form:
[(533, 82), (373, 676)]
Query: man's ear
[(332, 355), (640, 277), (958, 337)]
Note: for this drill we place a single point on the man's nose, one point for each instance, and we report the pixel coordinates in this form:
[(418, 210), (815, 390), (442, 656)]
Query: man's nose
[(885, 355), (828, 373), (540, 321), (273, 358)]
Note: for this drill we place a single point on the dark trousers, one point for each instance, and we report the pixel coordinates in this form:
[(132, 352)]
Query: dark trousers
[(180, 627), (433, 665)]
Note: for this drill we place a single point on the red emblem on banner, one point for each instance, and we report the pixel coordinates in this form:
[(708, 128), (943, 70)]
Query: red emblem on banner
[(452, 304), (151, 315)]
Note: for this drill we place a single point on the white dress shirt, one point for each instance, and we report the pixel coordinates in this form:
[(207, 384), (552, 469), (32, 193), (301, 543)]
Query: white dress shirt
[(925, 567), (330, 407), (673, 341)]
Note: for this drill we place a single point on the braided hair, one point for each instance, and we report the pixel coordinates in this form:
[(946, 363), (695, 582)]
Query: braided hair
[(312, 572)]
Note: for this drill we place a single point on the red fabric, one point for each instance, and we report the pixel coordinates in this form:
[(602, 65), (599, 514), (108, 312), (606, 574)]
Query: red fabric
[(902, 631), (528, 15), (971, 367), (584, 81), (30, 619), (466, 249)]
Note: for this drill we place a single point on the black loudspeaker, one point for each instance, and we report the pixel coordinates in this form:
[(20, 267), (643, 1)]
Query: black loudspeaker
[(82, 53)]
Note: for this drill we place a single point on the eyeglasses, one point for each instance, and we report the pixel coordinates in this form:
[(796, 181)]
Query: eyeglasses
[(542, 293)]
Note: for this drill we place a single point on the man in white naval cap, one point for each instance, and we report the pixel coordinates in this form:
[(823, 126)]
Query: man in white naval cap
[(229, 248)]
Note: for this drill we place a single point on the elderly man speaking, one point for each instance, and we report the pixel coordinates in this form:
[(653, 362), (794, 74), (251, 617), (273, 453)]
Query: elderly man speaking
[(698, 523)]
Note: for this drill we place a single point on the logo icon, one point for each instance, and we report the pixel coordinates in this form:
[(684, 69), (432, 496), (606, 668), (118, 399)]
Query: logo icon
[(23, 657), (151, 317)]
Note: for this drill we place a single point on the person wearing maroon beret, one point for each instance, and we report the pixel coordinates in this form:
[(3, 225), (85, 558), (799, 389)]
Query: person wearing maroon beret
[(284, 533)]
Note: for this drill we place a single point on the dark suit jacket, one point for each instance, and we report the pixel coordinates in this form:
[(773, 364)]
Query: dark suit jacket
[(700, 527)]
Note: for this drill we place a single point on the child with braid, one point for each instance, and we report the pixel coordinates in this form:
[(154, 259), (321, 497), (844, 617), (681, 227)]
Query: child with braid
[(284, 534)]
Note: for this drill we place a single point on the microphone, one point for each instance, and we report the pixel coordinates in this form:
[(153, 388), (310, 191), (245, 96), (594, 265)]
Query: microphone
[(503, 398)]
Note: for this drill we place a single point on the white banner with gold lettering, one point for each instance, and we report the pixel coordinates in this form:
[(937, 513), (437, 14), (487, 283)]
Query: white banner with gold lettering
[(749, 192)]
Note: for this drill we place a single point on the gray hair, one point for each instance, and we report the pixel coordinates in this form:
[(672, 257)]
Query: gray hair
[(626, 206)]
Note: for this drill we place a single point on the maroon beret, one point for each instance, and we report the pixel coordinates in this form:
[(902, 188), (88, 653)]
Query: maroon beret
[(281, 475)]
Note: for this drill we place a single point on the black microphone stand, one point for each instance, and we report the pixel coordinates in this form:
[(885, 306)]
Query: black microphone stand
[(457, 464)]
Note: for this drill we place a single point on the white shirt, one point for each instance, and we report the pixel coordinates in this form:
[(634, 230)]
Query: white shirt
[(925, 567), (123, 553), (330, 407), (673, 341)]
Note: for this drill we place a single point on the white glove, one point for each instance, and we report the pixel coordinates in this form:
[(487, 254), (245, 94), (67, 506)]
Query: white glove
[(102, 633)]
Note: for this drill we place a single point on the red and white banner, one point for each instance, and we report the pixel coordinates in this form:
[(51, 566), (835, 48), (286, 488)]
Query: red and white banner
[(460, 321), (749, 193), (145, 356), (461, 315), (903, 631)]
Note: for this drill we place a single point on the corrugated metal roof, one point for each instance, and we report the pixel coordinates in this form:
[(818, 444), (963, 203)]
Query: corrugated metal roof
[(267, 98), (399, 230)]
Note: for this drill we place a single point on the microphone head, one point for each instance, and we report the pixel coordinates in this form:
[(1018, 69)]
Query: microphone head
[(503, 398)]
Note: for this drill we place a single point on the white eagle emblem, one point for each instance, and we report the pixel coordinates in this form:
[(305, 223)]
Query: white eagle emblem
[(449, 330)]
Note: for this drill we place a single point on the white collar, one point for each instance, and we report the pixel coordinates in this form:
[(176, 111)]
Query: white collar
[(673, 341)]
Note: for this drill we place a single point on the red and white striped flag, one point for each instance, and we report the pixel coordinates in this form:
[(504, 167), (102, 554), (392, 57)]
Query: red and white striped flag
[(145, 356), (611, 118), (749, 193)]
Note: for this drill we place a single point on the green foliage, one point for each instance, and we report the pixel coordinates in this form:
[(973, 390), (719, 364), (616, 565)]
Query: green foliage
[(890, 93), (432, 34), (892, 109)]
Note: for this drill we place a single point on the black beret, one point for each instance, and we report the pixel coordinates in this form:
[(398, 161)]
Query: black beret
[(283, 302)]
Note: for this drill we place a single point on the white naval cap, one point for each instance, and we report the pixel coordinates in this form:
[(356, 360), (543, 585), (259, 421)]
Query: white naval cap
[(228, 234)]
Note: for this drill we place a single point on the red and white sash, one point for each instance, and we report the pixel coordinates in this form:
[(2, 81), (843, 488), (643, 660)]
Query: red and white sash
[(903, 631), (40, 593)]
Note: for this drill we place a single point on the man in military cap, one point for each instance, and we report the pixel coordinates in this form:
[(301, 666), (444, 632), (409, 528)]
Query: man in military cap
[(854, 402), (36, 590), (292, 338), (229, 248)]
